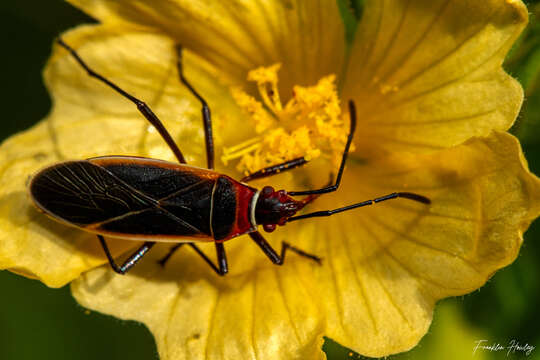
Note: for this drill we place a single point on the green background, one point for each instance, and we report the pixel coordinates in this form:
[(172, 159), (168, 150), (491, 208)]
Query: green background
[(41, 323)]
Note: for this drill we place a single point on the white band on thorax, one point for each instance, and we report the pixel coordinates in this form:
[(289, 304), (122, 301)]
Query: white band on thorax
[(252, 209)]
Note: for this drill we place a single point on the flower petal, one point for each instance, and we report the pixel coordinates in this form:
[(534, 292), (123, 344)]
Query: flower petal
[(307, 37), (381, 284), (31, 244), (427, 74), (256, 311), (89, 119)]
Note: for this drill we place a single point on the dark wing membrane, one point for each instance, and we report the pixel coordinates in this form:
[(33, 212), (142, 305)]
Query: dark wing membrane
[(192, 204), (184, 191), (151, 222), (156, 178), (81, 193), (127, 196)]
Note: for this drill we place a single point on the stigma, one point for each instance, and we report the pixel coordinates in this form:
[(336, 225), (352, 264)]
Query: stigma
[(310, 124)]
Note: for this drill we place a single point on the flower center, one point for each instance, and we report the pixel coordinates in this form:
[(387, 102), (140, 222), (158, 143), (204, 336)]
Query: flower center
[(310, 124)]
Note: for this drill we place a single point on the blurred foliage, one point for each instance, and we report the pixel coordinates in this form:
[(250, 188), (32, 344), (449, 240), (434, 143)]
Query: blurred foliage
[(523, 62), (37, 322)]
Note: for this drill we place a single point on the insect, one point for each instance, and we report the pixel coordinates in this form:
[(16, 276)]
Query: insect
[(153, 201)]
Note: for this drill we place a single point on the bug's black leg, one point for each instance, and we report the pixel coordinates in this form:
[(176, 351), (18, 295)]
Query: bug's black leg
[(207, 120), (222, 267), (327, 189), (286, 246), (405, 195), (222, 259), (143, 108), (272, 254), (130, 261), (172, 250), (275, 169)]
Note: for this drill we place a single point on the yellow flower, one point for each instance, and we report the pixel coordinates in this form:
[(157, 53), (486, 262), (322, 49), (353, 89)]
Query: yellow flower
[(433, 107)]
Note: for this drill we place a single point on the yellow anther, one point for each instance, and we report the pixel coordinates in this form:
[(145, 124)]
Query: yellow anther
[(267, 80), (308, 125), (263, 74), (255, 110)]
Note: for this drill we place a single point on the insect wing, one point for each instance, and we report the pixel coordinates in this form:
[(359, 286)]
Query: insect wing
[(81, 194), (139, 199), (182, 191)]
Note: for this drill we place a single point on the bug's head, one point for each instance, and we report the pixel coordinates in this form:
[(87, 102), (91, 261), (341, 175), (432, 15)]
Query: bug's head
[(274, 208)]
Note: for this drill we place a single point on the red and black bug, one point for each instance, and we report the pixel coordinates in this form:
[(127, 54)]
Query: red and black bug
[(153, 200)]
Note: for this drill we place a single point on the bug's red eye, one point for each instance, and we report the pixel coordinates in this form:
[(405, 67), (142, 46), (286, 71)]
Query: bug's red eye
[(269, 227), (267, 191)]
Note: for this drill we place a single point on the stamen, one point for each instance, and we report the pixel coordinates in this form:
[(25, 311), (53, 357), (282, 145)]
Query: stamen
[(255, 110), (308, 125), (267, 80), (240, 150), (248, 142)]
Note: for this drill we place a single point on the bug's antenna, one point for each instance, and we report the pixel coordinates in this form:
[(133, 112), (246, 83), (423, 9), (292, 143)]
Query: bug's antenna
[(405, 195)]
